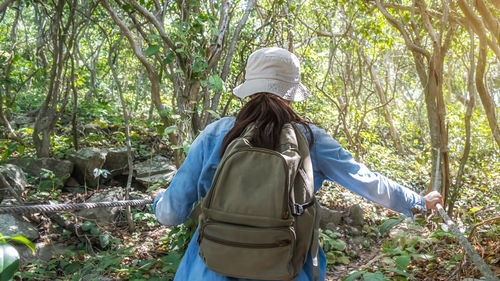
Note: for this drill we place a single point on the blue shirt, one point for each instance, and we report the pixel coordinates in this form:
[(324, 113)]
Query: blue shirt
[(330, 162)]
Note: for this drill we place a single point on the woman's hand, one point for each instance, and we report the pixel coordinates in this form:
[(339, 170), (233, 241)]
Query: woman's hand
[(157, 192), (431, 199)]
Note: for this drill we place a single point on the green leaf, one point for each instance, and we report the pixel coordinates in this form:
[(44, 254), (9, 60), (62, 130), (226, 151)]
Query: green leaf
[(4, 155), (338, 244), (152, 50), (9, 261), (164, 113), (153, 36), (215, 83), (214, 114), (86, 226), (389, 224), (72, 268), (104, 240), (169, 58), (94, 230), (376, 276), (170, 129), (343, 260), (354, 276), (25, 241), (400, 272), (402, 262)]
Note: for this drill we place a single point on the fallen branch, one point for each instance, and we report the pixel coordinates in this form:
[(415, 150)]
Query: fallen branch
[(475, 258)]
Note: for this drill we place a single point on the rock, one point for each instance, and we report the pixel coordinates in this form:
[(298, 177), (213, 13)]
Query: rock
[(148, 181), (13, 225), (91, 128), (154, 170), (355, 216), (85, 161), (72, 183), (328, 217), (14, 175), (103, 216), (116, 161), (331, 226), (43, 252), (62, 169), (23, 121)]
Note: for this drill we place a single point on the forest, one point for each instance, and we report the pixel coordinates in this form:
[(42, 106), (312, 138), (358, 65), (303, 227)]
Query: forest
[(100, 100)]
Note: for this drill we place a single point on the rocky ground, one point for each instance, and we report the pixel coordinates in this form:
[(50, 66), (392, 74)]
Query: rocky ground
[(352, 227)]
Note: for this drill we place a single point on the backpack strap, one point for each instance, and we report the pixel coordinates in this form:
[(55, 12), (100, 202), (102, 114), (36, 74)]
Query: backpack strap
[(303, 146), (315, 244)]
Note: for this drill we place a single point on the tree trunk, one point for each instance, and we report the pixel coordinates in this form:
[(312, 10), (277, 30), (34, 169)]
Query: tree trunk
[(111, 63), (468, 115), (43, 124), (383, 100), (8, 98), (75, 104), (486, 99), (51, 108), (152, 75), (5, 4)]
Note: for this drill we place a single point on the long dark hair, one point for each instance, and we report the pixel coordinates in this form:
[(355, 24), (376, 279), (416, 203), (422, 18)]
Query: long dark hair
[(270, 113)]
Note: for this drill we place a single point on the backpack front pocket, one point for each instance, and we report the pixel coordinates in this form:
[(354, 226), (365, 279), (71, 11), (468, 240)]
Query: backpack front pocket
[(247, 252)]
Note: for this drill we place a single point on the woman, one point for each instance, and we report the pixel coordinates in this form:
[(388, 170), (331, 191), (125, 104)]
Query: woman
[(272, 81)]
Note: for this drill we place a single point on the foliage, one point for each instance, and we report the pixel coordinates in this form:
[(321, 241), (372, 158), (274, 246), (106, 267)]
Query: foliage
[(337, 42), (9, 257)]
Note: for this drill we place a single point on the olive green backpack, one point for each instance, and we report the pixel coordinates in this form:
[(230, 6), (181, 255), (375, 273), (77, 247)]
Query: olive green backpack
[(259, 218)]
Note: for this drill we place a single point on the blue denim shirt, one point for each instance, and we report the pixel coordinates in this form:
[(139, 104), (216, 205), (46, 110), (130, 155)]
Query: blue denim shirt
[(330, 162)]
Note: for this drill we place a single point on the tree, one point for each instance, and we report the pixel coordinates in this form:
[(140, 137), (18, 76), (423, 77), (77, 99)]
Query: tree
[(62, 35), (487, 27), (191, 51), (429, 67)]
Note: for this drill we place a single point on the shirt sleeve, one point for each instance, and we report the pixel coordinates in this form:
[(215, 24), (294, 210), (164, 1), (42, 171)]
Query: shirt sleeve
[(174, 205), (339, 166)]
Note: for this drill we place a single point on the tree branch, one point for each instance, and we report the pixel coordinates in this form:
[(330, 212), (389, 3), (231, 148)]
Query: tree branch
[(223, 27), (412, 46), (319, 33), (151, 18), (491, 22), (477, 26), (236, 36), (5, 4), (436, 38), (153, 75), (486, 99)]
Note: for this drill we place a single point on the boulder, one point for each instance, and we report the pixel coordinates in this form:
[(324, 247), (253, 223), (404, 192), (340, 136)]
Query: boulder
[(85, 161), (154, 170), (44, 252), (355, 216), (329, 218), (352, 217), (91, 128), (116, 161), (62, 169), (103, 216), (15, 177), (13, 225), (23, 121)]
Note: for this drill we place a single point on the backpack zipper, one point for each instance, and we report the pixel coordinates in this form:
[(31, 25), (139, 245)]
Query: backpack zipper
[(280, 243)]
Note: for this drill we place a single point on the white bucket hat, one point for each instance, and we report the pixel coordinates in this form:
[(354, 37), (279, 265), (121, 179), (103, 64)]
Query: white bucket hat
[(273, 70)]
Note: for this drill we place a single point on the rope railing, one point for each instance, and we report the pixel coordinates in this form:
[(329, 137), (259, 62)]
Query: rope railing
[(73, 206)]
